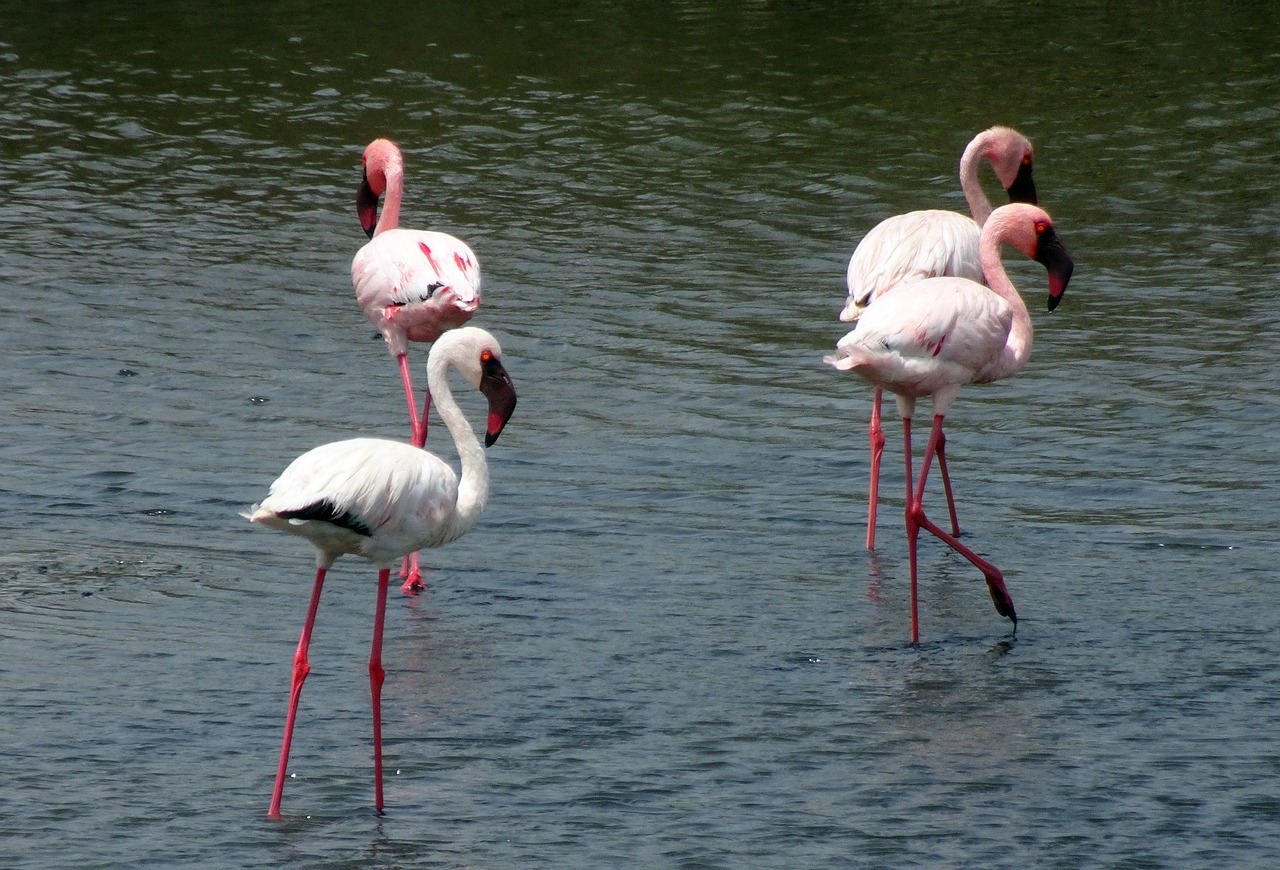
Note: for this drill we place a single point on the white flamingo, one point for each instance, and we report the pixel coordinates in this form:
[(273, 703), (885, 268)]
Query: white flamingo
[(381, 499), (931, 244), (946, 333), (413, 285)]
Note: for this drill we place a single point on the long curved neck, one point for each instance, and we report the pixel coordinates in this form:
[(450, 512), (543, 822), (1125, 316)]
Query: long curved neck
[(979, 205), (390, 217), (473, 485), (1017, 349)]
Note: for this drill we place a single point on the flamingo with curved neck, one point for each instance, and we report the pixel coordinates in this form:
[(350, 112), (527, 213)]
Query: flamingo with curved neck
[(946, 333), (413, 285), (930, 244), (382, 499)]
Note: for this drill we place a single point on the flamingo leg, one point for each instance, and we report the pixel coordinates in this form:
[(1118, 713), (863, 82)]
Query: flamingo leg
[(913, 531), (877, 450), (419, 436), (409, 568), (946, 483), (301, 667), (376, 677), (915, 510)]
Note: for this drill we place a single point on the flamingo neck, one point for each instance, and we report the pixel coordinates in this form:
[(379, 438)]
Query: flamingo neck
[(390, 217), (974, 195), (1017, 349), (473, 484)]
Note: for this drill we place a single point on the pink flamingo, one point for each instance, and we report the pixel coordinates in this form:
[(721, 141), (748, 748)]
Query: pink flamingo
[(946, 333), (411, 284), (381, 499), (931, 244)]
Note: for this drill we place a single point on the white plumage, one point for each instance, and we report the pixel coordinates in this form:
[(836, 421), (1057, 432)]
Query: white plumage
[(370, 497), (906, 248)]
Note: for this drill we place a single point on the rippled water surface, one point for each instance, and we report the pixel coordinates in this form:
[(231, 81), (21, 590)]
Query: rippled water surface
[(664, 645)]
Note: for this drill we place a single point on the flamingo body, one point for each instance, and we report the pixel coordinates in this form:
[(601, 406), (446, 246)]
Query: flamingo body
[(414, 285), (944, 334), (368, 497), (910, 247), (383, 499)]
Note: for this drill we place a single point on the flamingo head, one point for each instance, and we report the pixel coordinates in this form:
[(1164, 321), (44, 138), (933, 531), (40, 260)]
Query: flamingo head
[(496, 385), (1030, 229), (1052, 254), (382, 161), (1010, 155), (478, 358)]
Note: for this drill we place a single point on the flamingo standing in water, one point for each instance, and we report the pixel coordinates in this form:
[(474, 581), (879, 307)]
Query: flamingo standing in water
[(944, 334), (413, 285), (381, 499), (931, 244)]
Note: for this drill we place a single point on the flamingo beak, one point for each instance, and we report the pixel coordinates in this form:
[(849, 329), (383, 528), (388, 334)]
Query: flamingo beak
[(1023, 188), (367, 206), (496, 385), (1052, 254)]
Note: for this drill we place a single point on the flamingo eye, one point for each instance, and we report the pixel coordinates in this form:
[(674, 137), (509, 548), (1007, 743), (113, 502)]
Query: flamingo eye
[(486, 356), (1026, 160), (1041, 226)]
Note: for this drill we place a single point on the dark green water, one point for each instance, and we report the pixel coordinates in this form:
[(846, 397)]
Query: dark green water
[(664, 645)]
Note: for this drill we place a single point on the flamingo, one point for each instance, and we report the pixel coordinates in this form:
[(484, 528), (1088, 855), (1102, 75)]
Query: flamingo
[(381, 499), (413, 285), (931, 244), (946, 333)]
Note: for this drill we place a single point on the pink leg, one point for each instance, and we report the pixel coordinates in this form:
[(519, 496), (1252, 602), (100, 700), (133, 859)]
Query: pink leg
[(995, 580), (301, 667), (409, 569), (877, 450), (913, 531), (376, 676), (419, 436), (946, 483), (412, 576)]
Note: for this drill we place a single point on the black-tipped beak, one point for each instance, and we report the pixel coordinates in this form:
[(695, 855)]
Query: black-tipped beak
[(496, 385), (367, 206), (1052, 254), (1023, 188)]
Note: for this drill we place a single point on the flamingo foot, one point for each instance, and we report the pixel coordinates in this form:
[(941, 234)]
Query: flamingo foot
[(1002, 600), (412, 576)]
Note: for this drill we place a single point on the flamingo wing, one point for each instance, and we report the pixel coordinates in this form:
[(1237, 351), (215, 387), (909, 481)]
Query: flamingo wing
[(910, 247)]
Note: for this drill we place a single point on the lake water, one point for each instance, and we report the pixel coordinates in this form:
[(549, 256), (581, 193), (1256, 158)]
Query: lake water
[(664, 645)]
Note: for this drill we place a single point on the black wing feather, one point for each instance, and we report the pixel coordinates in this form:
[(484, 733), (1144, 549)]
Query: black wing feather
[(328, 512)]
